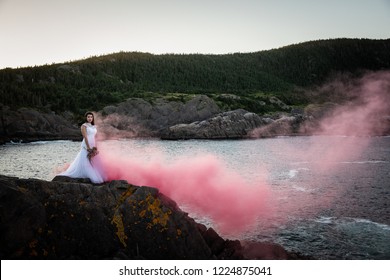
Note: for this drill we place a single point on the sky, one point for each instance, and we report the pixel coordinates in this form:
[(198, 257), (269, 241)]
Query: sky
[(38, 32)]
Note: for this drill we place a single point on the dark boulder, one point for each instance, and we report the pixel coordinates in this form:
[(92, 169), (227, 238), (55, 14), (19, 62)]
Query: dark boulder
[(138, 117), (74, 219), (78, 220), (283, 126), (228, 125), (31, 125)]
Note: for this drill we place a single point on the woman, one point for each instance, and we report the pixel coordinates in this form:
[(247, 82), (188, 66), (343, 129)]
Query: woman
[(85, 164)]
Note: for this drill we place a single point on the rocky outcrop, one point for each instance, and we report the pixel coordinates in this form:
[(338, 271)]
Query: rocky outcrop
[(139, 117), (30, 125), (228, 125), (74, 219), (198, 118), (284, 126)]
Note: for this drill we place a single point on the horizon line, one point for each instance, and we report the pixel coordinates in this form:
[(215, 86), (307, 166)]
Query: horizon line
[(189, 53)]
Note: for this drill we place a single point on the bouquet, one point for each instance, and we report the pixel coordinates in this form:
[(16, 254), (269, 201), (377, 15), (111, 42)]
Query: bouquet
[(92, 152)]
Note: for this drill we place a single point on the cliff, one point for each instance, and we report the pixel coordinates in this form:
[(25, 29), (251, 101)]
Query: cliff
[(199, 117), (228, 125), (26, 124), (74, 219)]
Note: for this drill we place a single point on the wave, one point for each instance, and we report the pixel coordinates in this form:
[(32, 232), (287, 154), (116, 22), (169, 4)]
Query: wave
[(325, 220), (14, 142), (366, 221), (364, 162), (48, 142), (300, 188), (292, 173), (350, 220)]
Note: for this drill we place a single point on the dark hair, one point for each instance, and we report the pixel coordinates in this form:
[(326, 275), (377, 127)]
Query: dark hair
[(90, 113)]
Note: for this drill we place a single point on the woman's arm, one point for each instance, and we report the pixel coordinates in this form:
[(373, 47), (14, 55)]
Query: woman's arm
[(84, 133)]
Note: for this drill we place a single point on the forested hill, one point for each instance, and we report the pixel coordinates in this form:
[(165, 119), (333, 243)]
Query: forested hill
[(98, 81)]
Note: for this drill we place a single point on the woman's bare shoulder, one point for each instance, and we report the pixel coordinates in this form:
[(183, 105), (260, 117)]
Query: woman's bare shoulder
[(83, 126)]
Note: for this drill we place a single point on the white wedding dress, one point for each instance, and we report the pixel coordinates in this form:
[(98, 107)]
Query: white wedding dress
[(81, 167)]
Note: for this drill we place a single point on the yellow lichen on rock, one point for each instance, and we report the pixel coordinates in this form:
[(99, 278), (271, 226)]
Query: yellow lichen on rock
[(32, 245), (117, 220), (157, 215), (142, 213), (82, 202)]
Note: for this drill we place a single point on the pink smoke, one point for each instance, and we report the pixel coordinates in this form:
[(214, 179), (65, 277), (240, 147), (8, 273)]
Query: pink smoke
[(364, 111), (115, 126), (208, 187), (340, 137), (368, 111), (365, 115), (202, 183)]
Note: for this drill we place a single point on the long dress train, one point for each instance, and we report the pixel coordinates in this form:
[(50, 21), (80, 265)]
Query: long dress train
[(81, 167)]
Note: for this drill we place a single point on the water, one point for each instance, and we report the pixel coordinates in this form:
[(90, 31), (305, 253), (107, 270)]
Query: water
[(341, 212)]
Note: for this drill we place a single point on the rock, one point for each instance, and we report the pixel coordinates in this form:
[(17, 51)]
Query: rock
[(30, 125), (320, 111), (228, 125), (223, 249), (284, 126), (263, 251), (229, 96), (74, 219), (297, 111), (276, 101), (142, 118)]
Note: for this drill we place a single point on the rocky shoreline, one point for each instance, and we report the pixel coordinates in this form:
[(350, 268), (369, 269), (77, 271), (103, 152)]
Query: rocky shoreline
[(198, 118), (29, 125), (75, 219)]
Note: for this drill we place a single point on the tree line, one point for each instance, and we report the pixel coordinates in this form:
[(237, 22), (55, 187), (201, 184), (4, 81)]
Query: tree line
[(102, 80)]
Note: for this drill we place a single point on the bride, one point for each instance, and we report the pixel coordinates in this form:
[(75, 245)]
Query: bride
[(85, 165)]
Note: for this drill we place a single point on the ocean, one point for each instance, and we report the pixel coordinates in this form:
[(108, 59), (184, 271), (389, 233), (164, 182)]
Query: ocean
[(328, 196)]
